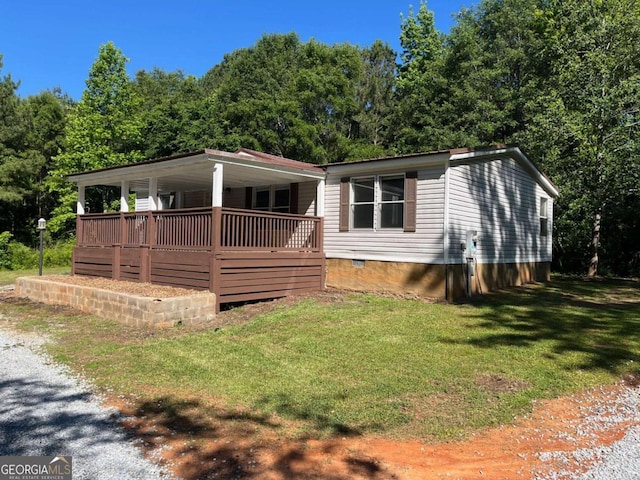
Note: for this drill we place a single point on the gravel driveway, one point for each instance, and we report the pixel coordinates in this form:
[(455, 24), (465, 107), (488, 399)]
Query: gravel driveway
[(45, 411)]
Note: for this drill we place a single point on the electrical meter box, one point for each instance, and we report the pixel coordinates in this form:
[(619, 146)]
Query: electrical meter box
[(471, 245)]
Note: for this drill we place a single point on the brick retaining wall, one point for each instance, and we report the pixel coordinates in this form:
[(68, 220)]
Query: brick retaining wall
[(128, 309)]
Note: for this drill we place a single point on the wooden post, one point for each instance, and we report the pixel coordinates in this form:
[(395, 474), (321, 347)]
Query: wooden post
[(145, 267), (115, 265), (79, 232), (215, 271), (79, 225), (117, 247), (320, 240), (145, 250)]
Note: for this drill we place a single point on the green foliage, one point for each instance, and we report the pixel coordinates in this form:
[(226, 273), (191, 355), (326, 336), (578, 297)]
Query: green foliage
[(31, 133), (173, 110), (103, 130), (5, 255), (561, 79), (307, 101), (22, 257), (375, 102)]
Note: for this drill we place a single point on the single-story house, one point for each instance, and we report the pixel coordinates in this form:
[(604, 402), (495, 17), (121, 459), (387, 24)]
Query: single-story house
[(249, 225)]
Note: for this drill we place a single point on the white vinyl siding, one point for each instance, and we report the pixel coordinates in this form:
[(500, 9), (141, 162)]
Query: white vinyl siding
[(307, 198), (142, 203), (500, 200), (425, 245)]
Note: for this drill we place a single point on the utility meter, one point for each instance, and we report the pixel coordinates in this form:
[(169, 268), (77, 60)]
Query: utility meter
[(471, 245)]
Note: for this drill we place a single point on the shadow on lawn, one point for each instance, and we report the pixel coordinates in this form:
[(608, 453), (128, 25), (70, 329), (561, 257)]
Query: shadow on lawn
[(205, 442), (600, 318)]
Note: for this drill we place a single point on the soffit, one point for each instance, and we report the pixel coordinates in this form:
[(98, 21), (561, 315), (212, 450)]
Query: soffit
[(195, 172)]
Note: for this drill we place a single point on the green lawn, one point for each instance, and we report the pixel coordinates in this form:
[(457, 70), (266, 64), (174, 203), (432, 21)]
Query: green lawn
[(7, 277), (371, 364)]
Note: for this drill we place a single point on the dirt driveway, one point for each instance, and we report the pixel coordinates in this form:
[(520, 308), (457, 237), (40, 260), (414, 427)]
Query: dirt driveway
[(561, 439)]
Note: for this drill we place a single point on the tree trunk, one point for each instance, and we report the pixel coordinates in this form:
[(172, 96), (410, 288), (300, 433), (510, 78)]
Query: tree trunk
[(595, 245)]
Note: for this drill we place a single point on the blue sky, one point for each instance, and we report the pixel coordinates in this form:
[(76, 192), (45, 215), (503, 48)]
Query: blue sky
[(48, 44)]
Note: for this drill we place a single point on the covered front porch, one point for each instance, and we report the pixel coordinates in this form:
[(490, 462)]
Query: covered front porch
[(244, 225)]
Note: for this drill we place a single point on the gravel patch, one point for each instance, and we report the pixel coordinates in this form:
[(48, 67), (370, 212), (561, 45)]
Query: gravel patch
[(45, 411), (618, 461)]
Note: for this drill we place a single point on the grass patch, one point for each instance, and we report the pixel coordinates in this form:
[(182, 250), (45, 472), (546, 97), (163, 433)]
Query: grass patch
[(7, 277), (370, 364)]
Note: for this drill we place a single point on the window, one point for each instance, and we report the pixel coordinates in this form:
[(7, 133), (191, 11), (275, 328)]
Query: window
[(363, 202), (281, 200), (262, 199), (378, 202), (391, 202), (544, 218), (273, 198)]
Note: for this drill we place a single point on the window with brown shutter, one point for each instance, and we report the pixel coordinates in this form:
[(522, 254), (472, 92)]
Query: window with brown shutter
[(391, 198), (345, 193), (410, 194)]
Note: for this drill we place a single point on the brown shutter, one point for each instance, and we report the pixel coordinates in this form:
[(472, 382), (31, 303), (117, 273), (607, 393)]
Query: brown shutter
[(248, 198), (345, 185), (294, 190), (410, 193)]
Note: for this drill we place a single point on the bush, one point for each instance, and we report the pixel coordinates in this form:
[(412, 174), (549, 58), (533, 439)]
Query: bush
[(17, 256), (59, 254), (22, 257), (5, 256)]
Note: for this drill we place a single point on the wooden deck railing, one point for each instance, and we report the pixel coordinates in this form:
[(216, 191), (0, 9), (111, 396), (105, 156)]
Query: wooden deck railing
[(250, 230), (240, 255), (196, 229)]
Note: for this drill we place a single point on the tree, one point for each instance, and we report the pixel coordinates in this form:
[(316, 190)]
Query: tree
[(561, 78), (596, 67), (286, 98), (173, 111), (10, 138), (421, 86), (375, 97), (31, 133), (23, 174), (581, 121), (103, 130)]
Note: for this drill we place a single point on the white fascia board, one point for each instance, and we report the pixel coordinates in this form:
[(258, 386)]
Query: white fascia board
[(249, 162), (518, 156), (179, 165), (392, 164)]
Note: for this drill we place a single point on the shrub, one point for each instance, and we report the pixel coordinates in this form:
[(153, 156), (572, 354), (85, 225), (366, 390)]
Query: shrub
[(5, 256), (59, 254), (17, 256), (22, 257)]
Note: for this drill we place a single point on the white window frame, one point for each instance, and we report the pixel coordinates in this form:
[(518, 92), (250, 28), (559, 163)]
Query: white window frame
[(544, 217), (377, 202)]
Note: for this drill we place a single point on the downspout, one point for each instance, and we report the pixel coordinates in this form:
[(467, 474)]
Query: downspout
[(445, 232)]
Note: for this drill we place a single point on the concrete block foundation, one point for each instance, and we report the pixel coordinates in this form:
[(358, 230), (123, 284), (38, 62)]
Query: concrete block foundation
[(431, 280), (128, 309)]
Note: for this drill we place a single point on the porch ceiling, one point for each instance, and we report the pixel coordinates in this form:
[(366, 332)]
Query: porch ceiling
[(195, 172)]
